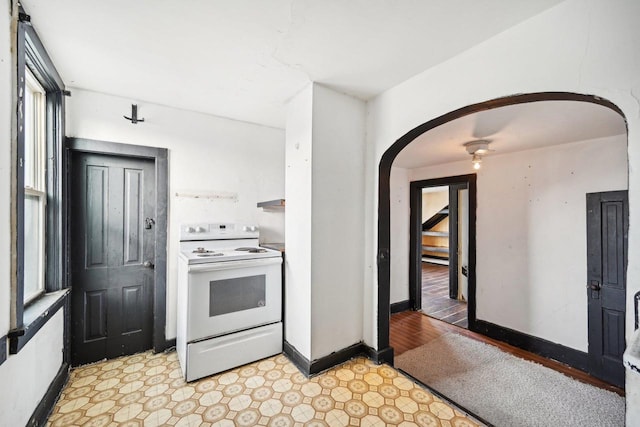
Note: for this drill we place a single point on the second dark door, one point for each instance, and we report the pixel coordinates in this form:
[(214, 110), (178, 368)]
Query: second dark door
[(607, 229), (112, 254)]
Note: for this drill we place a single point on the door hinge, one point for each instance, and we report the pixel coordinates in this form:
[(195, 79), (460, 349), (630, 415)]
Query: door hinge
[(148, 223)]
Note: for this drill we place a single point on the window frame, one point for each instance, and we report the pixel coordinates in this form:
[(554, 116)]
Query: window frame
[(38, 188), (25, 321)]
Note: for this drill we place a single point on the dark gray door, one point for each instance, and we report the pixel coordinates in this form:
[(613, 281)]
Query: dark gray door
[(607, 229), (454, 228), (112, 251)]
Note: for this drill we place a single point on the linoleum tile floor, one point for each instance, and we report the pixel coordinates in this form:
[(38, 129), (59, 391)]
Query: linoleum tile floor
[(148, 390)]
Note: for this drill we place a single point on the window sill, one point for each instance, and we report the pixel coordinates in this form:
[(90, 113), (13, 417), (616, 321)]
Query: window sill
[(36, 315)]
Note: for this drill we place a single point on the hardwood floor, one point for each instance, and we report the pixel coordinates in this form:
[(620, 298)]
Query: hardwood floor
[(411, 329), (435, 296)]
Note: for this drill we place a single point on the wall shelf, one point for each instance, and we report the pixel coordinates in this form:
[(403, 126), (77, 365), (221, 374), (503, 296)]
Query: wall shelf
[(439, 249), (435, 233)]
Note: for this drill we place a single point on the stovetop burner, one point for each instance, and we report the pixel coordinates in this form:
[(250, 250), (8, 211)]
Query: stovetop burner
[(252, 250), (203, 251)]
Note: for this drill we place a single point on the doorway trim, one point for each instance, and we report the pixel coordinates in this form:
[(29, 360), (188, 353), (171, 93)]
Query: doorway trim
[(161, 166), (415, 242), (384, 351)]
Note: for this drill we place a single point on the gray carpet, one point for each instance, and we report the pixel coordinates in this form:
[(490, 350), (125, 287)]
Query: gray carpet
[(506, 390)]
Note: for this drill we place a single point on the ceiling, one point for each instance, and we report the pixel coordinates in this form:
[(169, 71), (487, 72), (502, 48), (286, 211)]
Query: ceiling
[(513, 128), (244, 59)]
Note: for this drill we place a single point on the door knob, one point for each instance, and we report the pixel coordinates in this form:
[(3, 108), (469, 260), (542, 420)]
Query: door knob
[(148, 264), (594, 285)]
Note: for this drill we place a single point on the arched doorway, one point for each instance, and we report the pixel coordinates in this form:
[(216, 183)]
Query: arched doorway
[(384, 215)]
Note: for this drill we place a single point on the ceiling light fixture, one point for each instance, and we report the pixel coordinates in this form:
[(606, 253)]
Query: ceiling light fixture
[(476, 160), (477, 149)]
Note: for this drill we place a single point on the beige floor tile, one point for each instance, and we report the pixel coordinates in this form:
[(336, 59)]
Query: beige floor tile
[(149, 390)]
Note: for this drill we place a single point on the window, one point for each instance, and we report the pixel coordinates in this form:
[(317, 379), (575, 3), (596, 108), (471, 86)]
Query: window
[(35, 191), (37, 203)]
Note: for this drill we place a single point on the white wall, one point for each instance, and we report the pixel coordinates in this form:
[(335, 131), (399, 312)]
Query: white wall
[(207, 155), (324, 240), (337, 230), (26, 376), (531, 233), (400, 205), (583, 46), (298, 218)]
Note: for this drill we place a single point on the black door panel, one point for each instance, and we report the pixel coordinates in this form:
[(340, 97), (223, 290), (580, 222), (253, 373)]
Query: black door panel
[(112, 289), (607, 230)]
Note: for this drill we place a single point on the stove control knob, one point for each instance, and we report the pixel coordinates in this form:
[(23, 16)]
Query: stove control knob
[(200, 230), (191, 230), (250, 228)]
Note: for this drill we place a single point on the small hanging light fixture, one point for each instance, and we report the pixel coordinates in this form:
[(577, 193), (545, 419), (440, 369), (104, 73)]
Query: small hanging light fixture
[(476, 160), (477, 149)]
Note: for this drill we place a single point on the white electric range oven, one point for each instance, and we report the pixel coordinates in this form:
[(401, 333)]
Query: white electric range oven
[(229, 299)]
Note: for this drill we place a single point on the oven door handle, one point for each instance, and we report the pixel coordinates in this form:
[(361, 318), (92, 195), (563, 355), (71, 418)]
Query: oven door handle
[(229, 265)]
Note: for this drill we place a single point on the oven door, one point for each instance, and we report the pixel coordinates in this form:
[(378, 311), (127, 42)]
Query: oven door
[(230, 296)]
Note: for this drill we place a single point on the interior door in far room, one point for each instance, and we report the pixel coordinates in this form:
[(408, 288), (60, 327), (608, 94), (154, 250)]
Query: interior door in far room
[(458, 237), (607, 229), (111, 255), (463, 243)]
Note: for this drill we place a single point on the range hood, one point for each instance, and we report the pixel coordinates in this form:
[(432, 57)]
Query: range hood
[(277, 203)]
